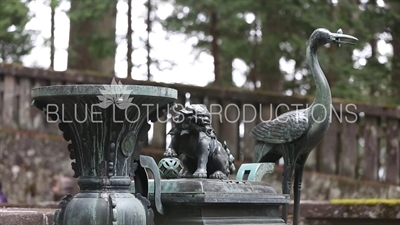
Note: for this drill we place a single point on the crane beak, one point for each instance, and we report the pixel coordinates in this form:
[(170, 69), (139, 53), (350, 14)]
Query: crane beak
[(335, 37)]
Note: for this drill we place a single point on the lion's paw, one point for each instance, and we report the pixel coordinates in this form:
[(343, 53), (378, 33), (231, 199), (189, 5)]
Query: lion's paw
[(200, 174), (170, 153), (218, 175)]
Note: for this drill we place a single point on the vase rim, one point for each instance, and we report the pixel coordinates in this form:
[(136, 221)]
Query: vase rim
[(95, 90)]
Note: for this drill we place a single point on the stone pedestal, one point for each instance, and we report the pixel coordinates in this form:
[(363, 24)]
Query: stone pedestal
[(209, 201)]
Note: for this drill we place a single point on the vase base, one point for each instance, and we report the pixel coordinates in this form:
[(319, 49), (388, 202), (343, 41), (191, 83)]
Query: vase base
[(101, 208)]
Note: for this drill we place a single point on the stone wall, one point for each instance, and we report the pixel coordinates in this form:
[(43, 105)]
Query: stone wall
[(30, 164), (35, 166), (366, 146), (319, 187)]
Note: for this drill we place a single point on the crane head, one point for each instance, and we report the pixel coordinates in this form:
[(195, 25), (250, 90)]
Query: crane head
[(323, 36)]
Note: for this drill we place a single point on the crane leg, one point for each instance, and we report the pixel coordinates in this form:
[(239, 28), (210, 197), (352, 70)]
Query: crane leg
[(287, 182), (298, 177)]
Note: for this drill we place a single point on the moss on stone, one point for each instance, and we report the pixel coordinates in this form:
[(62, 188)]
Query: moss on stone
[(376, 201)]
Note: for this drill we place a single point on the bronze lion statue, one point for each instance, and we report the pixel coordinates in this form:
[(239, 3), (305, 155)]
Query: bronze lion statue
[(193, 136)]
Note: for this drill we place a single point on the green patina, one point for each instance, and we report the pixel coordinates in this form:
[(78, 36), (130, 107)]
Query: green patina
[(128, 145), (104, 148)]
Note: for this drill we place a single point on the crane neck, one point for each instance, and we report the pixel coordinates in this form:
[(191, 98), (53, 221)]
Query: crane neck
[(323, 92)]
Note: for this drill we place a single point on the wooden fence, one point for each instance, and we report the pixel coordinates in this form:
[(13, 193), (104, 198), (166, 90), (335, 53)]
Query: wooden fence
[(362, 142)]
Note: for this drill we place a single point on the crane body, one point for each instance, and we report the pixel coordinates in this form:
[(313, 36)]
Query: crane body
[(293, 135)]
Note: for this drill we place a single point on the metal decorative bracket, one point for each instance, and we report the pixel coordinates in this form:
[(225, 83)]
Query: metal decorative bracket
[(255, 171), (149, 163)]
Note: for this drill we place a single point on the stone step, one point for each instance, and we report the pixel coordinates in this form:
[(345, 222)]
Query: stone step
[(26, 216), (312, 213)]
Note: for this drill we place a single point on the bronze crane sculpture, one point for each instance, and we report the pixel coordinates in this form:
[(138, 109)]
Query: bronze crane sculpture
[(294, 134)]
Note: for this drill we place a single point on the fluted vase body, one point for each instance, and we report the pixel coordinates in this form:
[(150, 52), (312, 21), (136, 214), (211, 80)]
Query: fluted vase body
[(104, 125)]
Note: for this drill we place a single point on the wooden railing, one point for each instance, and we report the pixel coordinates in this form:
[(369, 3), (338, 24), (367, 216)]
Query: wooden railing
[(363, 141)]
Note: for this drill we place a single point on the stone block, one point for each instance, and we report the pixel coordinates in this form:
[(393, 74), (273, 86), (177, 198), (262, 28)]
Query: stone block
[(26, 216)]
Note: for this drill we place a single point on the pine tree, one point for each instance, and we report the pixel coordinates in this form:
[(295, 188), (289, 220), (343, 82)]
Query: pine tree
[(92, 35), (280, 30), (15, 41)]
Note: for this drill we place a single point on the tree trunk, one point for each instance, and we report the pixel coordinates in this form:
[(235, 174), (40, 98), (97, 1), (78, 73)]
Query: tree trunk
[(92, 36), (330, 75), (148, 47), (271, 76), (226, 72), (215, 48), (253, 74), (395, 76), (129, 40), (373, 61), (396, 61), (52, 48)]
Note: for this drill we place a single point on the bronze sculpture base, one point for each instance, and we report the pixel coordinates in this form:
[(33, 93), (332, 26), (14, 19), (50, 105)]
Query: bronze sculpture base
[(211, 201)]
